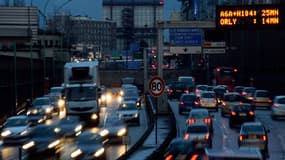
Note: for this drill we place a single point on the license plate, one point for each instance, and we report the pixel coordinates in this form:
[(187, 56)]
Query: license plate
[(242, 114), (252, 136), (178, 90)]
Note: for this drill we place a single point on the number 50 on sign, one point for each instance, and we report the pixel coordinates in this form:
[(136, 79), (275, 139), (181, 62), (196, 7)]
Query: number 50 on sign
[(156, 86)]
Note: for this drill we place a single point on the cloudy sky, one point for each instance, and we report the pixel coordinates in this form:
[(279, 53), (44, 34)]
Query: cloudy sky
[(91, 8)]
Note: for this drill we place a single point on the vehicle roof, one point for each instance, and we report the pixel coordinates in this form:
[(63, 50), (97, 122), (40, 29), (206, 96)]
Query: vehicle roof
[(252, 123), (17, 117), (57, 87), (234, 153), (232, 93), (199, 110)]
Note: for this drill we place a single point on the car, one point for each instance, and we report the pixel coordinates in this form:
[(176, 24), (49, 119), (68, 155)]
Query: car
[(229, 100), (233, 154), (241, 113), (261, 98), (36, 116), (176, 89), (200, 116), (238, 89), (44, 104), (247, 93), (88, 146), (69, 126), (187, 102), (189, 82), (16, 130), (208, 100), (129, 112), (200, 88), (254, 134), (114, 129), (56, 91), (182, 149), (132, 95), (278, 107), (219, 91), (43, 141), (200, 134)]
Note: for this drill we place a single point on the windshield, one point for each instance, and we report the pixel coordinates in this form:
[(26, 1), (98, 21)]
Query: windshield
[(232, 98), (252, 129), (128, 106), (81, 93), (199, 114), (42, 101), (226, 73), (208, 95), (16, 122)]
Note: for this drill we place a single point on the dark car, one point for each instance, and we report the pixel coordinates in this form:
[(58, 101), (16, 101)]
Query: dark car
[(219, 91), (176, 89), (241, 113), (238, 89), (254, 134), (89, 146), (43, 141), (69, 126), (181, 149), (187, 102), (36, 116)]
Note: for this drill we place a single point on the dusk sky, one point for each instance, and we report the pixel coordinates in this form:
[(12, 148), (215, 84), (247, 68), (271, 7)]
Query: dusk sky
[(92, 8)]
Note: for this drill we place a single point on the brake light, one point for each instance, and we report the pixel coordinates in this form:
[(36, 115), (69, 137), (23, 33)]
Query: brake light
[(224, 103), (207, 136), (196, 103), (276, 105), (194, 157), (207, 120), (189, 121), (186, 91), (269, 101), (264, 138), (169, 90), (243, 93), (251, 113), (241, 138), (215, 101), (186, 136), (181, 102), (169, 157), (235, 70), (254, 100), (218, 69), (233, 113)]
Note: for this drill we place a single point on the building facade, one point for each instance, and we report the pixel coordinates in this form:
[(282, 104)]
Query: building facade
[(78, 31), (135, 19)]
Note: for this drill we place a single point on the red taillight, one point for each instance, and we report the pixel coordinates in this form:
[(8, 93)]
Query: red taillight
[(269, 101), (254, 100), (181, 102), (276, 105), (235, 70), (241, 138), (218, 69), (215, 101), (196, 103), (251, 113), (186, 91), (243, 93), (194, 157), (186, 136), (169, 90), (169, 157), (189, 121), (207, 120), (233, 113), (264, 138)]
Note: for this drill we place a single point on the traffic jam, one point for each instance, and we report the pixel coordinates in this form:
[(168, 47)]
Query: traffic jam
[(78, 120), (223, 121)]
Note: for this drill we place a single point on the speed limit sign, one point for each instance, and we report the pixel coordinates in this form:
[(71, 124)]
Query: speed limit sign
[(156, 86)]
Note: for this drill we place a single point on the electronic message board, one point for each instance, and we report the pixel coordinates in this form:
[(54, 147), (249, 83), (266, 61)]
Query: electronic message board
[(250, 16)]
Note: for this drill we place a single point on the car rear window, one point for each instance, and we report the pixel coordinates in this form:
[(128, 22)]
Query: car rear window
[(253, 129), (202, 87), (199, 114), (242, 108), (232, 98), (189, 98), (197, 129), (281, 100), (208, 95), (262, 94)]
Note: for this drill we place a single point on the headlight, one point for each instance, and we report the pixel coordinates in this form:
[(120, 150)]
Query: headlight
[(94, 116), (28, 112), (6, 133), (25, 132), (78, 128), (54, 143), (136, 115), (76, 153), (121, 93), (103, 98), (122, 132), (40, 120), (120, 99), (56, 130), (104, 132), (108, 97), (60, 102), (35, 111), (99, 152), (28, 145), (138, 104), (48, 110)]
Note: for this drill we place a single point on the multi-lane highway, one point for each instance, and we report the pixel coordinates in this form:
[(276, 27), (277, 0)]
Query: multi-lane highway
[(226, 138), (113, 151)]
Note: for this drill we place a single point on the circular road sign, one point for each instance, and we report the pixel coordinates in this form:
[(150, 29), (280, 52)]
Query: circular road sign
[(156, 86)]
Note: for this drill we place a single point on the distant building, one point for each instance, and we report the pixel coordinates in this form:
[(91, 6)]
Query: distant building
[(135, 19), (85, 31)]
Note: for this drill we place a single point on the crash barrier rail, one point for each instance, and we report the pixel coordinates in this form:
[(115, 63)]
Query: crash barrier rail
[(159, 152), (150, 118)]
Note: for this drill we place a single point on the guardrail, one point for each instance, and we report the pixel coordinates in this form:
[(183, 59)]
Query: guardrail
[(149, 111)]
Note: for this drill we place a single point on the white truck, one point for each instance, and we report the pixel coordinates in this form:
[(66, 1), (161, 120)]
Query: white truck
[(81, 83)]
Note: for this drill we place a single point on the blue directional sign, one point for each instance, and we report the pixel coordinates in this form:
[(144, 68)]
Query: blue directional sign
[(185, 37)]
